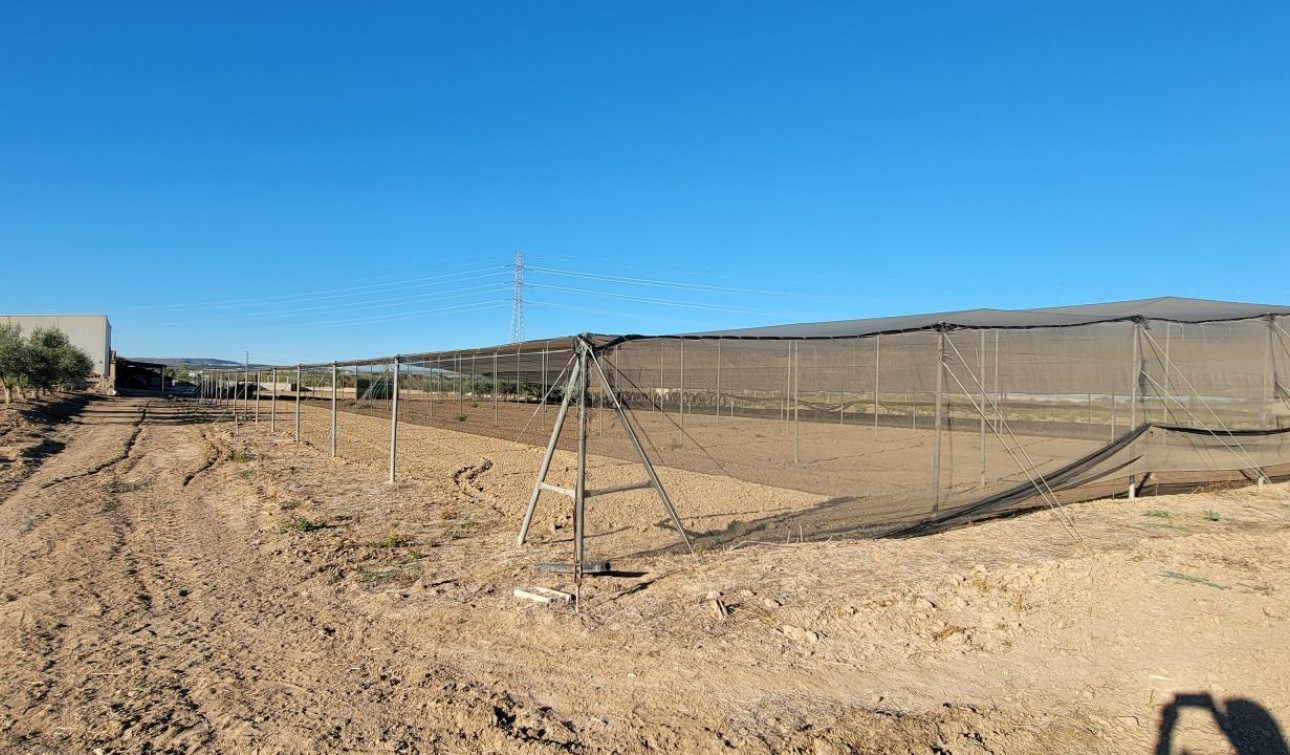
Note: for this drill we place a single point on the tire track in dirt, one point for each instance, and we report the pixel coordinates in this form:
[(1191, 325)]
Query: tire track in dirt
[(157, 620), (78, 531), (137, 427), (212, 457)]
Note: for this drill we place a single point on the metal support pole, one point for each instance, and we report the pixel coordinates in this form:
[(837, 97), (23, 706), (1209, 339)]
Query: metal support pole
[(981, 362), (999, 406), (936, 443), (1269, 378), (333, 409), (394, 419), (257, 397), (718, 415), (797, 403), (1136, 380), (877, 361), (580, 484), (435, 381), (657, 401), (788, 385), (550, 452), (681, 397), (246, 385), (273, 402), (298, 386), (495, 415), (1133, 398), (232, 405), (1164, 402)]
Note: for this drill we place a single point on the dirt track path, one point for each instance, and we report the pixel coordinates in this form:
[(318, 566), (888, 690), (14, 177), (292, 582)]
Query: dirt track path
[(139, 617)]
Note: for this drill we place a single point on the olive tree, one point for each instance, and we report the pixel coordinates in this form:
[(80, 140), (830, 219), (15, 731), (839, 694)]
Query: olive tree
[(13, 360), (43, 361)]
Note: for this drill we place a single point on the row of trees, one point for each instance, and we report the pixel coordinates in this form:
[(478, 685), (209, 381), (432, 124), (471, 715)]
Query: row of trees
[(40, 362)]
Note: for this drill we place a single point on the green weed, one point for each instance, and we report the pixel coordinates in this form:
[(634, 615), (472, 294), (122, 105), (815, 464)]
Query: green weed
[(302, 525), (393, 540), (116, 485), (1193, 580), (1211, 515)]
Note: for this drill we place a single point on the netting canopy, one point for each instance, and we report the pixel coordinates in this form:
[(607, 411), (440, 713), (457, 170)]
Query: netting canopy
[(899, 424)]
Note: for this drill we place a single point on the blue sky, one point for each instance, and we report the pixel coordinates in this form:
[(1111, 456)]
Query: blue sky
[(322, 180)]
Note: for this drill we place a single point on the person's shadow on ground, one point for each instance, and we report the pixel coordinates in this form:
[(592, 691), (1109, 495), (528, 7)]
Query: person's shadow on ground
[(1248, 726)]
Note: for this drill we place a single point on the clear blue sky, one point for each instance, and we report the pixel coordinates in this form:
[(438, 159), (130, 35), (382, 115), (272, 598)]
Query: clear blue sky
[(293, 179)]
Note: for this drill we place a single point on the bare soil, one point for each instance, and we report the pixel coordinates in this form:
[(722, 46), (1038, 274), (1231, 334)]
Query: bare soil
[(170, 585)]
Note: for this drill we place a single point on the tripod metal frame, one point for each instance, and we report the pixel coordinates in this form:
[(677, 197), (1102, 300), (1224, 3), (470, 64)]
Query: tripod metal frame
[(585, 363)]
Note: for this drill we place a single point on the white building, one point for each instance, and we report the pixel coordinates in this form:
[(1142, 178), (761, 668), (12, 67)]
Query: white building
[(92, 333)]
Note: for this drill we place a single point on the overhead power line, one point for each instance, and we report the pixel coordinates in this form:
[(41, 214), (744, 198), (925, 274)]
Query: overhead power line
[(396, 301), (343, 292), (627, 315), (426, 313), (674, 284), (649, 300)]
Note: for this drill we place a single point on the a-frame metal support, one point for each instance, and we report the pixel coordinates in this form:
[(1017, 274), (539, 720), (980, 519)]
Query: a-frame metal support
[(585, 363)]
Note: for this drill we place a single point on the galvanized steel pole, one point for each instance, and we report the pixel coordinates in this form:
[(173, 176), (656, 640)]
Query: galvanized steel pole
[(298, 403), (681, 397), (394, 421), (333, 408), (273, 402), (718, 414), (877, 372), (580, 484), (982, 412), (796, 376), (1133, 398), (936, 442)]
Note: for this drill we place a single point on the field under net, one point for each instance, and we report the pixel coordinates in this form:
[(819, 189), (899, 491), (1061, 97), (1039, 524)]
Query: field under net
[(893, 426)]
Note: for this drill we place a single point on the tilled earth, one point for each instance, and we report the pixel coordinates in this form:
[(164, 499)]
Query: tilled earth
[(171, 584)]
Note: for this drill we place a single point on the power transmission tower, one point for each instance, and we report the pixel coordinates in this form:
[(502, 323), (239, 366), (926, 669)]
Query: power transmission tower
[(517, 310)]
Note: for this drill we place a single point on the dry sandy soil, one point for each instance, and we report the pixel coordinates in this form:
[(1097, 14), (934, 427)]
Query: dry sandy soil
[(170, 585)]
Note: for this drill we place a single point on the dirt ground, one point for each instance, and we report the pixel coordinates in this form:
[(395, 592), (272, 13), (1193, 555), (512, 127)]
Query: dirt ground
[(170, 585)]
